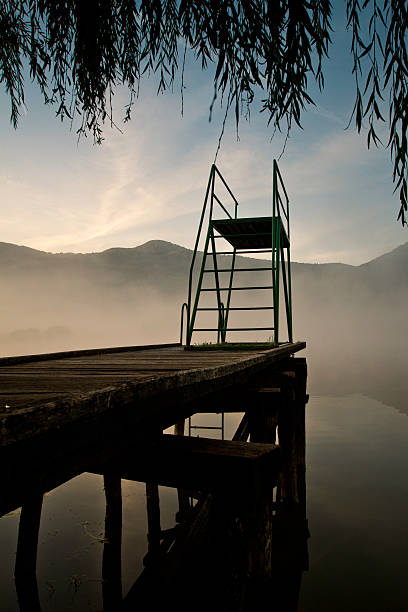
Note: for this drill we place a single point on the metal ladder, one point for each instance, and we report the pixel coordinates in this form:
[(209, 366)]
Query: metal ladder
[(220, 428), (246, 235)]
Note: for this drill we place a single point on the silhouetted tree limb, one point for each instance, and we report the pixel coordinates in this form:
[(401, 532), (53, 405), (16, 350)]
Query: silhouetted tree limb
[(381, 72), (79, 51)]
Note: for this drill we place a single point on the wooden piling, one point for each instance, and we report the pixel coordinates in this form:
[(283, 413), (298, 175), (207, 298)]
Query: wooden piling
[(290, 552), (153, 521), (26, 558), (112, 548), (183, 497)]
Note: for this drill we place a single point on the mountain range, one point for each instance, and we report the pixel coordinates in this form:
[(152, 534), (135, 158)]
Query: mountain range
[(167, 266)]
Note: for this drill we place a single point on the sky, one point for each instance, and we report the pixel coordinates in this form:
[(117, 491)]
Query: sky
[(148, 183)]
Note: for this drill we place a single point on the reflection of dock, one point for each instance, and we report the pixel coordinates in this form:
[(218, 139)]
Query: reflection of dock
[(244, 539)]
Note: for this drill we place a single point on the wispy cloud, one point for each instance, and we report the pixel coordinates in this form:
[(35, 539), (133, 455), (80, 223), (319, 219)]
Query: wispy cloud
[(149, 183), (325, 113)]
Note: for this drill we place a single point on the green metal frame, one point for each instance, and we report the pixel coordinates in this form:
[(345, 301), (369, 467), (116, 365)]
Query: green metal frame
[(280, 210), (280, 224)]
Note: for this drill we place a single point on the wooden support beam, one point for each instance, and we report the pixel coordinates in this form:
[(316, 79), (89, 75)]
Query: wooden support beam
[(197, 463), (263, 415), (242, 432)]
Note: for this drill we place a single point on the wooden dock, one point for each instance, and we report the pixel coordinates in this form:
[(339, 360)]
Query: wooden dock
[(148, 386), (104, 411)]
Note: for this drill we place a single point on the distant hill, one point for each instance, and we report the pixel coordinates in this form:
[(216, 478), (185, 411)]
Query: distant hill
[(165, 266)]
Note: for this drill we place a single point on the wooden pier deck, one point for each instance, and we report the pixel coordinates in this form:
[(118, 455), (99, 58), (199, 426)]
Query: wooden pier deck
[(150, 385)]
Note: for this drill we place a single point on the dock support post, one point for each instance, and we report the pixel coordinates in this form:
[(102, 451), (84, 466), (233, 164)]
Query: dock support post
[(260, 534), (153, 521), (26, 558), (290, 552), (112, 549), (292, 433), (263, 420), (278, 531), (288, 492), (183, 499), (301, 399), (263, 416)]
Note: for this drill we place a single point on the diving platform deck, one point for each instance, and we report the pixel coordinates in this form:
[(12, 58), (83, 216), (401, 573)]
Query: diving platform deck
[(147, 386)]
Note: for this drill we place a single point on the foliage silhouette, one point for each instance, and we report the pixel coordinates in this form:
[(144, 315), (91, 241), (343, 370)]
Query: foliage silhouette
[(79, 51)]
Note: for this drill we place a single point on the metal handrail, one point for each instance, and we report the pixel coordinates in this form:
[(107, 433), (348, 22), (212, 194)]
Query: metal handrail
[(190, 277), (214, 195), (225, 185), (281, 180), (222, 205), (184, 307), (278, 206), (221, 323), (210, 195)]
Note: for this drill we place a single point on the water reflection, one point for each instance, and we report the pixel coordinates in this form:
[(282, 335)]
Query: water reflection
[(357, 507), (233, 542), (26, 558), (225, 550), (112, 547)]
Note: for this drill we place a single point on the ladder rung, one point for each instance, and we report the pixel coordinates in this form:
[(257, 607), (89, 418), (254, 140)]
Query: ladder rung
[(206, 329), (241, 251), (248, 328), (203, 427), (237, 288), (252, 235), (241, 270), (201, 329), (242, 308)]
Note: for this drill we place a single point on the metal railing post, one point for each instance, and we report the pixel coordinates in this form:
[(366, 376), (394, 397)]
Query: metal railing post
[(183, 308), (200, 225)]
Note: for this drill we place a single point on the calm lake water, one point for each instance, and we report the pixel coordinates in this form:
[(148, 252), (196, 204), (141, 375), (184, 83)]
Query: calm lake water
[(357, 490)]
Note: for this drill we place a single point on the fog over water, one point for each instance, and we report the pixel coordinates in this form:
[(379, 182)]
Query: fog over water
[(353, 318)]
